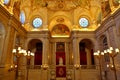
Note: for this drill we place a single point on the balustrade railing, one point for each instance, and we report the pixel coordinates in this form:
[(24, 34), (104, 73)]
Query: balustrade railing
[(71, 66), (89, 66)]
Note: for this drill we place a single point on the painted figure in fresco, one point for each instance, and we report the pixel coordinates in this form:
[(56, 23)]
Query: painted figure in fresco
[(60, 29)]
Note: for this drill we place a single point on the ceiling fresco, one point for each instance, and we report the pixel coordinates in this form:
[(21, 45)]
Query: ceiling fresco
[(94, 11)]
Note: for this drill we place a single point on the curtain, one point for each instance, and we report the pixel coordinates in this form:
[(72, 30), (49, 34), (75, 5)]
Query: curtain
[(83, 58), (38, 58)]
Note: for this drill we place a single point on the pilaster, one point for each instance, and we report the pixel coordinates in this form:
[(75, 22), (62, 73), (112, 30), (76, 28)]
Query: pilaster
[(67, 53), (75, 48), (45, 50)]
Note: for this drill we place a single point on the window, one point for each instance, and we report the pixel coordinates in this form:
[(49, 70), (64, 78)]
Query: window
[(6, 1), (37, 22), (22, 17), (83, 22), (105, 45)]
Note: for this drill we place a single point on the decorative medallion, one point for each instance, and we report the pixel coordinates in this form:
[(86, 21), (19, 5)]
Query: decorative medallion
[(60, 20), (60, 5)]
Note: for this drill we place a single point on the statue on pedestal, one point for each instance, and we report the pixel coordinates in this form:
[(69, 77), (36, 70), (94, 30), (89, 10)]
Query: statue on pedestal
[(60, 61)]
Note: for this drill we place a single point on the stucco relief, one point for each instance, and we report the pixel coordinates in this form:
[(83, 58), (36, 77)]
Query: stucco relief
[(115, 3)]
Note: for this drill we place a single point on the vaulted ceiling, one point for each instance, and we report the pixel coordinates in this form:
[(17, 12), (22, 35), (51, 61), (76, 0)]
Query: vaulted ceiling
[(68, 12)]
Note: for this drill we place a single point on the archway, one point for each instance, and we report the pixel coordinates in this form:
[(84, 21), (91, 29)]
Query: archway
[(86, 52), (36, 46)]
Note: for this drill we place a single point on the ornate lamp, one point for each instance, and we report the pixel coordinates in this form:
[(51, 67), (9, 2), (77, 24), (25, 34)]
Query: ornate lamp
[(98, 54), (28, 55), (113, 53), (18, 53)]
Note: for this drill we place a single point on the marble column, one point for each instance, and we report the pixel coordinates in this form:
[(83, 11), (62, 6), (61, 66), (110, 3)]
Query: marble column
[(53, 54), (45, 50), (66, 54), (71, 54), (75, 51)]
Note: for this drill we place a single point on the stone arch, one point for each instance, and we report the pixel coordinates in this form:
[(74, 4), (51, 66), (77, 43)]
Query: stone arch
[(36, 46), (32, 44), (2, 37), (86, 52)]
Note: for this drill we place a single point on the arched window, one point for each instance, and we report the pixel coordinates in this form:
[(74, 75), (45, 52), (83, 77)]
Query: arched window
[(6, 1), (105, 44), (22, 17)]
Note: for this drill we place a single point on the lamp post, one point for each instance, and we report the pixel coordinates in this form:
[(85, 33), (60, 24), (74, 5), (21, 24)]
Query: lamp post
[(18, 53), (113, 53), (28, 55), (98, 55)]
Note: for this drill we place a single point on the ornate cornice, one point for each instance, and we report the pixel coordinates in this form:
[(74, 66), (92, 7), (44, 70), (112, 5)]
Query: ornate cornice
[(36, 34), (4, 12), (82, 34), (116, 13)]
